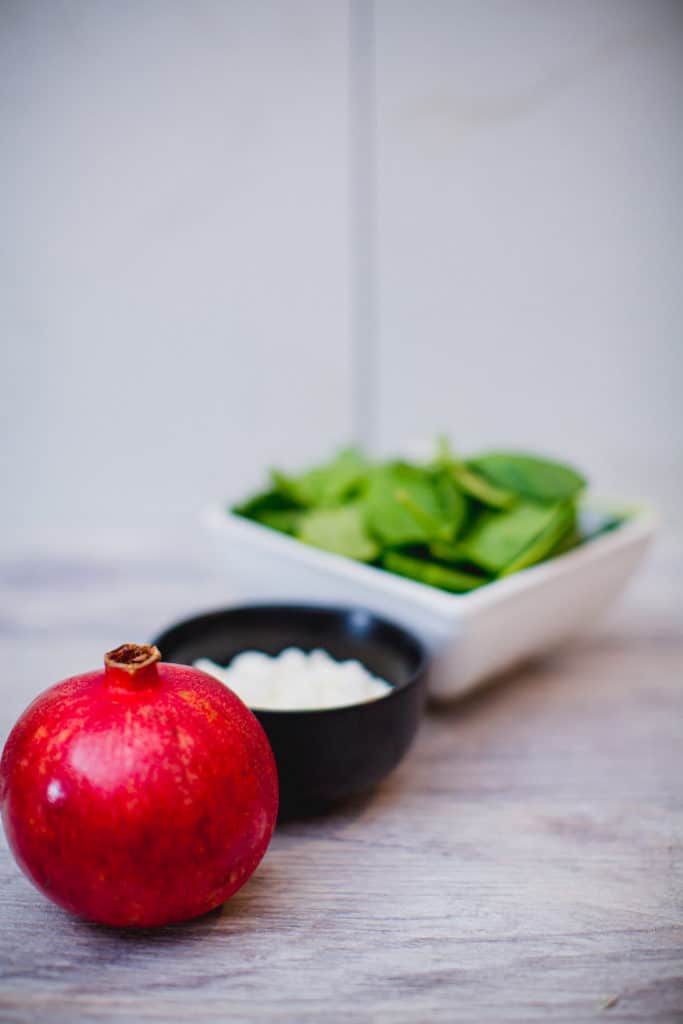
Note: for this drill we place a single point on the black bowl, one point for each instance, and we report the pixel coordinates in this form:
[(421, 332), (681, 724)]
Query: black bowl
[(327, 755)]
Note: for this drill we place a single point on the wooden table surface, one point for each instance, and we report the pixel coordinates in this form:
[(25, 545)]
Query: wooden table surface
[(525, 862)]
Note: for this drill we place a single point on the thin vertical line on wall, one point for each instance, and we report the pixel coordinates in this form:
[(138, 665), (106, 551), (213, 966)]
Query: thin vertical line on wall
[(363, 220)]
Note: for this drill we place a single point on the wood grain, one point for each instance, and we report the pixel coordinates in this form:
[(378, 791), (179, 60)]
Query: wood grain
[(525, 862)]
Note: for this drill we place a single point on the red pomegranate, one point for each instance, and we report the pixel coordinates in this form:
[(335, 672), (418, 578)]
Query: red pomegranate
[(139, 795)]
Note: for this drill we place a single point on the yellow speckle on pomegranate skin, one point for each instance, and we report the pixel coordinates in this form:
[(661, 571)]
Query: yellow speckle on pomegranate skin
[(189, 697), (184, 741), (60, 738), (199, 703)]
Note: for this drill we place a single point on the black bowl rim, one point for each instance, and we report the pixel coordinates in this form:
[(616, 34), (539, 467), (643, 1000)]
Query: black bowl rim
[(416, 676)]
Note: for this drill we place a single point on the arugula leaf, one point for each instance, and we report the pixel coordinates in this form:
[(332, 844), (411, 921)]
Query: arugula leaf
[(341, 530), (529, 476), (428, 572)]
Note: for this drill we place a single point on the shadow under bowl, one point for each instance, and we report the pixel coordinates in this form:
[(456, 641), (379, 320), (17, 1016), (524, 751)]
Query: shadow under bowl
[(327, 755)]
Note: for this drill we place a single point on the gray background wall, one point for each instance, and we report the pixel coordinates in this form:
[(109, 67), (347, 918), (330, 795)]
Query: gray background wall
[(176, 262)]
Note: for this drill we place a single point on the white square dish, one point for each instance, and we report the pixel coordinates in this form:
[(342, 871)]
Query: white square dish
[(472, 636)]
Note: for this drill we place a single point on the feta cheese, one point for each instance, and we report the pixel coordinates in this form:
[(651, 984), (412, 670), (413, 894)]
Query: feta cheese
[(295, 680)]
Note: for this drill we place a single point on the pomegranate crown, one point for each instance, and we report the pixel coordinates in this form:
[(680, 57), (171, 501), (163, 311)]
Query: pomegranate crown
[(132, 657)]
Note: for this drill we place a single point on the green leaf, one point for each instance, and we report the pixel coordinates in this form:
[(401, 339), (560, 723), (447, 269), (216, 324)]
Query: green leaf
[(440, 576), (326, 485), (410, 505), (453, 502), (559, 524), (568, 541), (471, 483), (341, 530), (498, 538), (288, 489), (453, 524), (478, 487), (445, 551), (529, 476), (267, 501), (285, 520), (453, 508)]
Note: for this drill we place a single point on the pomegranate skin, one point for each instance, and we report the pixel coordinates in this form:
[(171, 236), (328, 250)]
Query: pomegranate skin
[(138, 798)]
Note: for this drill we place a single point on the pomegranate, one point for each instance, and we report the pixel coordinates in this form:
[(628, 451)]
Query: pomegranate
[(139, 795)]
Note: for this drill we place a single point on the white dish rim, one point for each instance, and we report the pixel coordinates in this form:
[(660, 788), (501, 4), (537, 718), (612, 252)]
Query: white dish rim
[(641, 523)]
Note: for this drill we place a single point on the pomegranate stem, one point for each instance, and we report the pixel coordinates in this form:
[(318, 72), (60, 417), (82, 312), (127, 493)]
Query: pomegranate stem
[(132, 664)]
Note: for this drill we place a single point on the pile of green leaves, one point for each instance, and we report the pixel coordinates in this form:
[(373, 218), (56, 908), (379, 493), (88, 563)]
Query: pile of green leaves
[(453, 523)]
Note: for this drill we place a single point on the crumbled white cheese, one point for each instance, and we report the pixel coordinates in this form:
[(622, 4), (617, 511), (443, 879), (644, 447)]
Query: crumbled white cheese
[(295, 680)]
